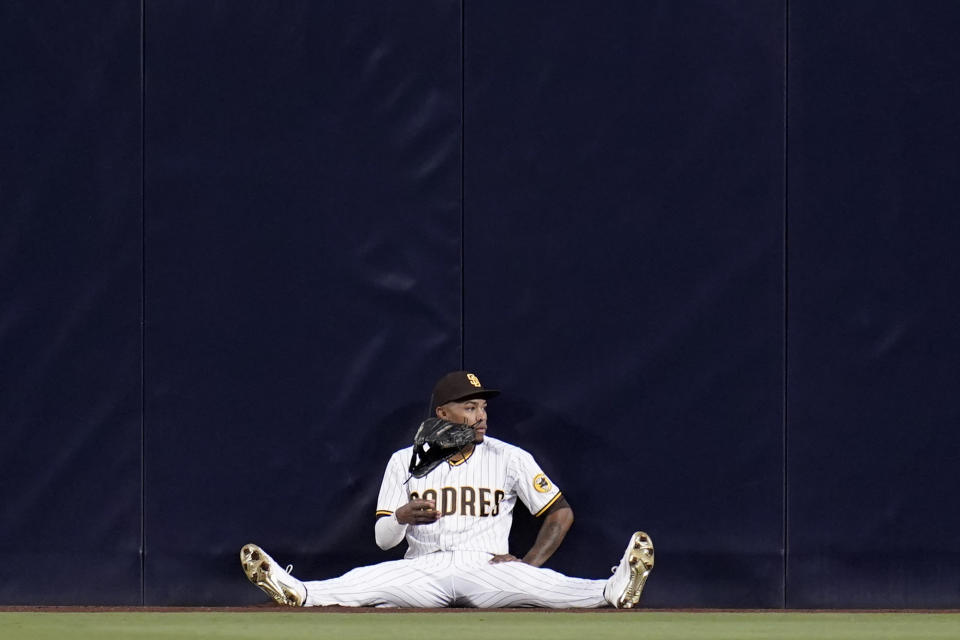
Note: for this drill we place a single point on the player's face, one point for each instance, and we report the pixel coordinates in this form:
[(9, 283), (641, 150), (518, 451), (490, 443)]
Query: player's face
[(472, 412)]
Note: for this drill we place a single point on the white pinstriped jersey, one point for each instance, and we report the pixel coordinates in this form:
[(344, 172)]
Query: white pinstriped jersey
[(476, 497)]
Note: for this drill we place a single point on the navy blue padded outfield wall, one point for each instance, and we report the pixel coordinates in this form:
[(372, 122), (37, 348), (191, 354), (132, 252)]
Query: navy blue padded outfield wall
[(706, 249), (873, 338), (70, 296)]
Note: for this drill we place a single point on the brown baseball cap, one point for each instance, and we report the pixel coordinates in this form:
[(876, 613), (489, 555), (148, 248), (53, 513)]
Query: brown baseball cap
[(458, 386)]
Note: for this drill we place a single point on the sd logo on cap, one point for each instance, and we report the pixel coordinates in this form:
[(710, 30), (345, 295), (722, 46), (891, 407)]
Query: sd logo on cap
[(458, 386)]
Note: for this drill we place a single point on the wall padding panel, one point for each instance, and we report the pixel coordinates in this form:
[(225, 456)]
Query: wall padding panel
[(623, 276), (303, 290), (70, 303), (873, 333)]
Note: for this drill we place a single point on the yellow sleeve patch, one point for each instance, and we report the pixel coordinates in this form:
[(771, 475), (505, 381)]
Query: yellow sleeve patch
[(542, 484)]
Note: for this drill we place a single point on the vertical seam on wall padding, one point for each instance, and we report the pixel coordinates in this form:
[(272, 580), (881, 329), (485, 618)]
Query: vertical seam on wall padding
[(463, 108), (786, 186), (143, 305)]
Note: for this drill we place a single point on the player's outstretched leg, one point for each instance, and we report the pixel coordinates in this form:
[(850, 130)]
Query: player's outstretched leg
[(625, 585), (264, 572)]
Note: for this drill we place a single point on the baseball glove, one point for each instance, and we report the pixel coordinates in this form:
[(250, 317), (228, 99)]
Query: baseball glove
[(437, 440)]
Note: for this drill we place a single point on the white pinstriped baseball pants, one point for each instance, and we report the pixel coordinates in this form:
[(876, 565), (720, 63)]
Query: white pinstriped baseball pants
[(455, 579)]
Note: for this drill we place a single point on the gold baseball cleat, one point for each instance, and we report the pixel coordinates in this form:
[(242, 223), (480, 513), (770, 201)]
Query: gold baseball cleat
[(277, 583), (624, 587)]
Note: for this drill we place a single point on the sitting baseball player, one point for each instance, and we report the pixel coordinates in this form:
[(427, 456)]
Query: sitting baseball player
[(451, 496)]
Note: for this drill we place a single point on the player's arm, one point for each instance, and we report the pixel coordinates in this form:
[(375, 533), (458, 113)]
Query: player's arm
[(556, 522), (392, 527), (394, 509)]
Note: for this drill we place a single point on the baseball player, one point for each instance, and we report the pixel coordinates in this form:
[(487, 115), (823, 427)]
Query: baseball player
[(455, 515)]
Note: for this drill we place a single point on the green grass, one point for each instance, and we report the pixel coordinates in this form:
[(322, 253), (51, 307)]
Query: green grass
[(493, 625)]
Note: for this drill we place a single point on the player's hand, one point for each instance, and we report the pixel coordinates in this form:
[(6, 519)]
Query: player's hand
[(418, 512), (505, 557)]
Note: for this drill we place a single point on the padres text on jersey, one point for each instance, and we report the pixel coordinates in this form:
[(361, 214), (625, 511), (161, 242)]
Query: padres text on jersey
[(475, 496)]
